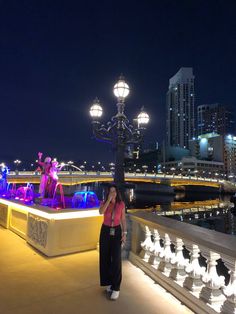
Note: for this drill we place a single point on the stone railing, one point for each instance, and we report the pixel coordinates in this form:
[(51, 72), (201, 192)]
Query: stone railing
[(196, 265)]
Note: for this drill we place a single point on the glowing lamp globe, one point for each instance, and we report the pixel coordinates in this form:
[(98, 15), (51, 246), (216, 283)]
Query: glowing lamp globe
[(121, 89), (96, 110), (143, 118)]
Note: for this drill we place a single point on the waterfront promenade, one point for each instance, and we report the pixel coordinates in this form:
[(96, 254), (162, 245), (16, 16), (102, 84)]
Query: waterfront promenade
[(33, 283)]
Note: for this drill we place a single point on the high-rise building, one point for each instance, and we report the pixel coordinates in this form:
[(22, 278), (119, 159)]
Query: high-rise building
[(230, 155), (208, 147), (216, 148), (214, 118), (180, 108)]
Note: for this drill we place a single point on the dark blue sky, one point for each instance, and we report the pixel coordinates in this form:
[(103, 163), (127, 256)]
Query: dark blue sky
[(57, 56)]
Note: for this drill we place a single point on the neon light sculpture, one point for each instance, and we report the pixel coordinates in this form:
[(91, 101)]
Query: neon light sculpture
[(11, 191), (3, 178), (58, 186), (25, 194), (85, 200), (54, 202)]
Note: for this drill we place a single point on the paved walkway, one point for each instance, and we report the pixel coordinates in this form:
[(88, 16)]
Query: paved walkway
[(33, 283)]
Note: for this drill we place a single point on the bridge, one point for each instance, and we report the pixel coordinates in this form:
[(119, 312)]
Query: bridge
[(81, 177)]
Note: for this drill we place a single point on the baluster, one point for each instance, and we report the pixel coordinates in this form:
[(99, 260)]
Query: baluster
[(127, 247), (154, 259), (150, 247), (166, 255), (193, 282), (146, 244), (229, 306), (212, 293), (179, 262)]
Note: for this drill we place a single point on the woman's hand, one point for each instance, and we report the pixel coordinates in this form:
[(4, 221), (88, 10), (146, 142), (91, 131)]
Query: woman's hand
[(123, 238), (111, 196)]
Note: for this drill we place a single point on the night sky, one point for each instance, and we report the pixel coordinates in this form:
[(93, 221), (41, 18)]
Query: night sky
[(57, 56)]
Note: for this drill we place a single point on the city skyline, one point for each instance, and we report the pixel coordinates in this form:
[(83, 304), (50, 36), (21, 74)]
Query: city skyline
[(214, 118), (180, 108), (57, 58)]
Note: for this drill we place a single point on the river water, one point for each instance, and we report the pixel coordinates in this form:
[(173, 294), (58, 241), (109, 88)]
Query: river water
[(212, 211), (209, 210)]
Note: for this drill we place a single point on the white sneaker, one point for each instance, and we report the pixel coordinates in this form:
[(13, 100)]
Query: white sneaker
[(115, 295), (108, 289)]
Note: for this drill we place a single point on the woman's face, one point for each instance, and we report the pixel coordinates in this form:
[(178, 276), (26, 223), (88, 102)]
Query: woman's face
[(113, 192)]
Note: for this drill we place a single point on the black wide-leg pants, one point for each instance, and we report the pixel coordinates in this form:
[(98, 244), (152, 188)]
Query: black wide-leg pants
[(110, 257)]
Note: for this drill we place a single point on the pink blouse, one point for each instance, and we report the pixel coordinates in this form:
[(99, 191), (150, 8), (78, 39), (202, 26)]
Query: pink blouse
[(118, 213)]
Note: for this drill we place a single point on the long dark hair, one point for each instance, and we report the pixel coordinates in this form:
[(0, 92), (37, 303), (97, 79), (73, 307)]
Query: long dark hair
[(118, 194)]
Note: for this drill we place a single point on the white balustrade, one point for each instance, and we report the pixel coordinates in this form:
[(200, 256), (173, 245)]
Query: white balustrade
[(146, 245), (179, 263), (229, 291), (154, 259), (193, 282), (211, 293), (166, 256), (201, 288)]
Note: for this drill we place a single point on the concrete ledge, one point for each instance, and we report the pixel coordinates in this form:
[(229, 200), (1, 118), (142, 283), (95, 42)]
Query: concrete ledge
[(52, 232), (213, 240), (4, 218)]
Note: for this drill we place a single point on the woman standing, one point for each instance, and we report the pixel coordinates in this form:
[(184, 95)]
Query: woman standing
[(112, 236)]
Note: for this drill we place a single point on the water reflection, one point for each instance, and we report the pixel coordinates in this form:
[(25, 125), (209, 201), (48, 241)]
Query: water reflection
[(210, 211)]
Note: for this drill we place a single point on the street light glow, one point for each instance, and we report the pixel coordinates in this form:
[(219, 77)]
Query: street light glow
[(143, 118), (96, 109), (17, 161), (121, 89)]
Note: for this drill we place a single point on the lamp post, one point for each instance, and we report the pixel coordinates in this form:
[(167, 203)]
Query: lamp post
[(118, 131), (70, 164), (17, 162)]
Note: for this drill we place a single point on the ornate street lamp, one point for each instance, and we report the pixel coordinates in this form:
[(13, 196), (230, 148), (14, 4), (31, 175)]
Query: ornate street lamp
[(143, 118), (118, 131), (17, 162), (96, 110)]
